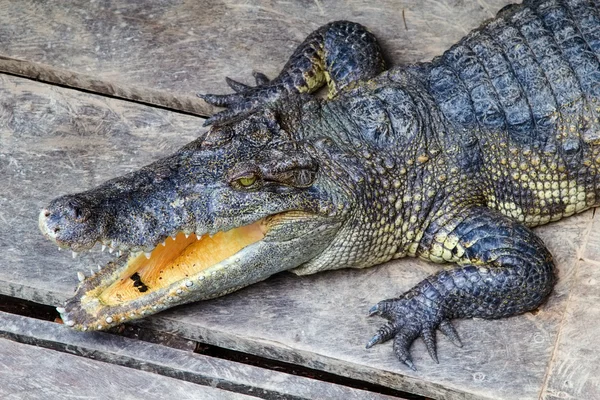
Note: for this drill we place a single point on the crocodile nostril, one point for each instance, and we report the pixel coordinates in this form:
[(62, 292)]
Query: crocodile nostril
[(77, 211), (47, 214), (56, 230)]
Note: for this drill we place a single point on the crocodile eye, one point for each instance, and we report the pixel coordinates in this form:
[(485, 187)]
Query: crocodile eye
[(245, 176), (247, 181)]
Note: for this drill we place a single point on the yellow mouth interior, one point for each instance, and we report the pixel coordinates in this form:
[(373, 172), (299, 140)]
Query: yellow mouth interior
[(178, 259)]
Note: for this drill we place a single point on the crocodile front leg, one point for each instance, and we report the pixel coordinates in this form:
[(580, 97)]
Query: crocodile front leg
[(503, 269), (336, 54)]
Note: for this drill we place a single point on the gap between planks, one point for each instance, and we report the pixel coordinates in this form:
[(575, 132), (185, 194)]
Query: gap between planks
[(24, 322), (187, 105)]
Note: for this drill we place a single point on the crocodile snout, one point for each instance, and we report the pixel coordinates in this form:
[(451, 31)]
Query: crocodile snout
[(67, 222)]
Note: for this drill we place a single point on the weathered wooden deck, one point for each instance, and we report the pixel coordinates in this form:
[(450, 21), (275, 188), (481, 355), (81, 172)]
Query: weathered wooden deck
[(128, 56)]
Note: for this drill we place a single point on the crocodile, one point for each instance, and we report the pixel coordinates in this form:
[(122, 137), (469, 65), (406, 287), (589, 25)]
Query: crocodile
[(452, 161)]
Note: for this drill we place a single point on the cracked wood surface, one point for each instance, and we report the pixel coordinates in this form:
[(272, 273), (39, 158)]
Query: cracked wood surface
[(164, 52), (55, 140)]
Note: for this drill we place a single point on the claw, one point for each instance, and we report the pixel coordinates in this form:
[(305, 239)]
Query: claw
[(224, 116), (447, 329), (382, 308), (410, 364), (220, 100), (429, 339), (385, 333), (260, 78), (402, 343), (373, 310), (237, 86), (376, 339)]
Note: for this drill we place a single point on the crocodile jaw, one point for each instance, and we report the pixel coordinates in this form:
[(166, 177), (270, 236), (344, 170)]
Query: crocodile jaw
[(187, 269)]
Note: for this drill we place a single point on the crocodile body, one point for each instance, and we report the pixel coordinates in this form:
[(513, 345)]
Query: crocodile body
[(452, 161)]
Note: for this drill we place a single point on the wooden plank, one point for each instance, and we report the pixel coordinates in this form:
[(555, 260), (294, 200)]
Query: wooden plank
[(162, 52), (29, 372), (183, 365), (575, 370), (55, 141)]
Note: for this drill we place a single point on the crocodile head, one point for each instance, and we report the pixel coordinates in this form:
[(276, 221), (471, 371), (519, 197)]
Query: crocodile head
[(244, 201)]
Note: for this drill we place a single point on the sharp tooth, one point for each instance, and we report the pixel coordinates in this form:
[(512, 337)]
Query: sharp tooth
[(69, 323), (59, 248), (60, 310), (103, 247), (164, 243), (109, 320), (198, 237), (99, 268), (173, 237), (80, 276), (119, 253), (74, 254), (187, 235), (110, 250), (92, 272), (148, 255)]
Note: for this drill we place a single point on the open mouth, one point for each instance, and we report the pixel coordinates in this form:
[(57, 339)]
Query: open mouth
[(179, 258), (139, 284), (187, 267)]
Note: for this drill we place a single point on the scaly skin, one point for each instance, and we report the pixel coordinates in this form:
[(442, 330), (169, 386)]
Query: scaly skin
[(452, 161)]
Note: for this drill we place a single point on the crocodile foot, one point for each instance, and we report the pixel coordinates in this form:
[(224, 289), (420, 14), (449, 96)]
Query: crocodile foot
[(245, 100), (409, 317)]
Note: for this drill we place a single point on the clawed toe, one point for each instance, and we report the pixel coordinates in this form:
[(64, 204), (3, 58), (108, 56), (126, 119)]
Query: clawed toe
[(260, 78), (409, 320), (385, 333), (428, 336), (237, 87), (447, 329), (221, 100), (244, 101), (402, 343)]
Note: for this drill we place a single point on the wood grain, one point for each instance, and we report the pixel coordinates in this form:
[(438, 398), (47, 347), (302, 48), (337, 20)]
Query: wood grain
[(55, 140), (29, 372), (575, 368), (163, 52), (185, 366)]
